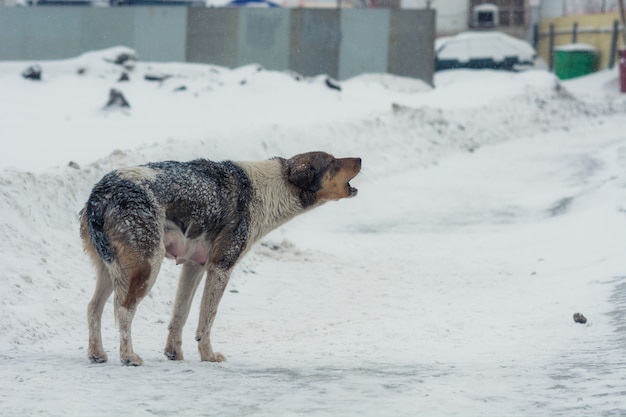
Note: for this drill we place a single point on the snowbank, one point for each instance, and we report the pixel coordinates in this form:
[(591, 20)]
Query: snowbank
[(446, 287)]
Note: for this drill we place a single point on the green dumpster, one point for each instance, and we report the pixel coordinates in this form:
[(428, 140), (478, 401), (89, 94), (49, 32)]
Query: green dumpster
[(574, 60)]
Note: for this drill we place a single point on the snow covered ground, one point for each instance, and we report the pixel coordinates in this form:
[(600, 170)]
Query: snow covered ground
[(491, 209)]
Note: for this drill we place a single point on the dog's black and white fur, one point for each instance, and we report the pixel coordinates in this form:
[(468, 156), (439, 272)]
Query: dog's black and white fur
[(205, 215)]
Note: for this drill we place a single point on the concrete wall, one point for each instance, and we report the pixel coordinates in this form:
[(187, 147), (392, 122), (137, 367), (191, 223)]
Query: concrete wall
[(340, 43), (264, 38), (212, 36), (407, 56), (315, 41), (158, 33), (364, 27)]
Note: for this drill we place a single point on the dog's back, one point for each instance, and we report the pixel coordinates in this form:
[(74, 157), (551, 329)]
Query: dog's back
[(198, 198)]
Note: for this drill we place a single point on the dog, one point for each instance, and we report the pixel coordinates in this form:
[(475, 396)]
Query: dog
[(204, 215)]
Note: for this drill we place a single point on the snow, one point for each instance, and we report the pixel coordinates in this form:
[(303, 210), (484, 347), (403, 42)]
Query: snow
[(491, 209), (576, 47)]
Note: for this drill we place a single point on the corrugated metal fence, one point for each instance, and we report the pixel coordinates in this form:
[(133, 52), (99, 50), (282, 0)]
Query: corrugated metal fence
[(338, 42)]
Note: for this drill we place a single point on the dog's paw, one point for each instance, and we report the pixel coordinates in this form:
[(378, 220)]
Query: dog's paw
[(206, 351), (213, 357), (173, 354), (217, 357), (98, 357), (131, 360)]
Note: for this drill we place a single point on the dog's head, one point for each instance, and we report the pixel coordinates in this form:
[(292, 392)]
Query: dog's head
[(320, 177)]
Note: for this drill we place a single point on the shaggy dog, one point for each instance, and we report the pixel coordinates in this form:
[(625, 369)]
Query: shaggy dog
[(205, 215)]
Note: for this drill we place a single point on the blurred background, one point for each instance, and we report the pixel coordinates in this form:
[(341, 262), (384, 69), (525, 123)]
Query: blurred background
[(341, 38)]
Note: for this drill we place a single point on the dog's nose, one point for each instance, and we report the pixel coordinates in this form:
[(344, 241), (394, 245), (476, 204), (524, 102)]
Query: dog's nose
[(358, 162)]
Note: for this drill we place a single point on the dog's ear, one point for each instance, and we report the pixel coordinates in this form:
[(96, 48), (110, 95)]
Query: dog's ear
[(301, 174)]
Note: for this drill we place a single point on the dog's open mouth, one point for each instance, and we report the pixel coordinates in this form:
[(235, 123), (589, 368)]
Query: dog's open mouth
[(355, 168), (353, 191)]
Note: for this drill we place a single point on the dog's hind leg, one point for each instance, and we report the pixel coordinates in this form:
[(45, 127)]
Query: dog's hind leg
[(104, 288), (135, 283), (189, 279), (216, 282)]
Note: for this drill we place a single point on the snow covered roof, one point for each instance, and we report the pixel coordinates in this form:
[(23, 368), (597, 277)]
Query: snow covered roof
[(580, 47)]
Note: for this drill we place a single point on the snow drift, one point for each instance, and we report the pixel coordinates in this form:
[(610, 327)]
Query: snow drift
[(446, 287)]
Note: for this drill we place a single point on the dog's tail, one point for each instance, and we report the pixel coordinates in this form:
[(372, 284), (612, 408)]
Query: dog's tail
[(93, 216)]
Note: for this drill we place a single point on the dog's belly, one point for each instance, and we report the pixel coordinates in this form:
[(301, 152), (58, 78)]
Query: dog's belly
[(182, 249)]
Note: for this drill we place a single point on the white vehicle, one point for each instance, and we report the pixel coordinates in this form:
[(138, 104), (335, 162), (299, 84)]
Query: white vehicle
[(492, 49)]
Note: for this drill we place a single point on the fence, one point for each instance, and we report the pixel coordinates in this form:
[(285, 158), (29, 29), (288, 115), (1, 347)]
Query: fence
[(601, 31), (338, 42)]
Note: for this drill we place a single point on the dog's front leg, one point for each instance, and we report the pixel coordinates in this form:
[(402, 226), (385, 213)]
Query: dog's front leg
[(189, 279), (216, 282)]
